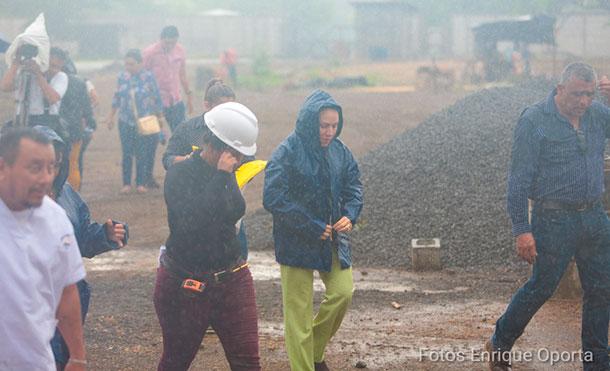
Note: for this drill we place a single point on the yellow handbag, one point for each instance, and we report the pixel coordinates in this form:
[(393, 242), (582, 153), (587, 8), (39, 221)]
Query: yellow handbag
[(147, 125)]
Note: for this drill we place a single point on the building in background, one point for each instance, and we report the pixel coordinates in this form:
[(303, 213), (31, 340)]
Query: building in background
[(204, 35), (373, 30), (578, 33), (386, 29)]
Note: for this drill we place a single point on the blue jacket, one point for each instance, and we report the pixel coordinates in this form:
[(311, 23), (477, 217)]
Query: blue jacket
[(91, 237), (92, 241), (307, 187)]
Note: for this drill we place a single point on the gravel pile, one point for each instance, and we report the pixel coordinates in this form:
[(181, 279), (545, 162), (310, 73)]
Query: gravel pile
[(446, 178)]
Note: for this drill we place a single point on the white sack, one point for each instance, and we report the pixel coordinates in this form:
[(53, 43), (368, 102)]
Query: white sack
[(35, 34)]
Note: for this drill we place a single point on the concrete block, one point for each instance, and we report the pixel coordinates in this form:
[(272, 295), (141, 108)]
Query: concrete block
[(426, 254)]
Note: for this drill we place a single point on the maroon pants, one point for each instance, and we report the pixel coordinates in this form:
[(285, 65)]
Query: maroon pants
[(229, 307)]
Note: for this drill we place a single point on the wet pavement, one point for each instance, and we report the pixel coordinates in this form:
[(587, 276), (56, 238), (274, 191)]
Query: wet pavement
[(403, 320)]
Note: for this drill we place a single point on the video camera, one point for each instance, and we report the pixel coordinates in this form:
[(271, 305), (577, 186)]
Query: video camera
[(26, 51)]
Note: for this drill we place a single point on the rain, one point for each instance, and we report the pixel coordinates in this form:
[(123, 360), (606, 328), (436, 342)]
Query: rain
[(431, 94)]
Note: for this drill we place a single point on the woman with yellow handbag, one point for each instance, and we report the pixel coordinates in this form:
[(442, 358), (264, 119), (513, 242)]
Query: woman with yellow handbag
[(140, 109)]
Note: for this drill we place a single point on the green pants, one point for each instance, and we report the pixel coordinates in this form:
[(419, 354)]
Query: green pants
[(306, 336)]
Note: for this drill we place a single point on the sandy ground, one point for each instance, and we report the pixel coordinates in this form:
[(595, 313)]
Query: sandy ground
[(442, 314)]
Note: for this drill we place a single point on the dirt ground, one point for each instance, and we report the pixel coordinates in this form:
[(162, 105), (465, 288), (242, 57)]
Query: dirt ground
[(440, 313)]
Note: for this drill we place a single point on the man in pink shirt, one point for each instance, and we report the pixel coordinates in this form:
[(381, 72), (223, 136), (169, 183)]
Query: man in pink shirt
[(166, 59)]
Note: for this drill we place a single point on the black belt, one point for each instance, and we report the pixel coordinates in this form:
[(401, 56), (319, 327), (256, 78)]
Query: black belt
[(570, 206), (218, 276)]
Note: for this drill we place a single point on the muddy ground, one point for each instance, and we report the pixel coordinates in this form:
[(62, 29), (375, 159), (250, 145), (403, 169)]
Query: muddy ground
[(449, 312)]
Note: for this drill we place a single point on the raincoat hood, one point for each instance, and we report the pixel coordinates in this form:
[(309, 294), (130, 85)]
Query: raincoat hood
[(59, 145), (308, 120)]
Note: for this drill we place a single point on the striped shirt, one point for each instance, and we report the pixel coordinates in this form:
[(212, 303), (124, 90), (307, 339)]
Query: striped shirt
[(552, 161)]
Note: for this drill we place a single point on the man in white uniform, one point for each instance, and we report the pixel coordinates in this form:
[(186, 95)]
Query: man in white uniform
[(39, 257)]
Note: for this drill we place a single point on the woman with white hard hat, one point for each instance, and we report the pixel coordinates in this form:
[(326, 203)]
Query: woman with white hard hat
[(202, 279)]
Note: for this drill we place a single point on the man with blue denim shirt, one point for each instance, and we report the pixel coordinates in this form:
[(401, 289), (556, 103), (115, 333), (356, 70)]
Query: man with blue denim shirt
[(558, 163)]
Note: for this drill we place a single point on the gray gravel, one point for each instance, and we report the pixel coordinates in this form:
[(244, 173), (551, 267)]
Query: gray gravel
[(446, 178)]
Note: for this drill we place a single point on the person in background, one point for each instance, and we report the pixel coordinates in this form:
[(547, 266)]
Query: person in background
[(313, 190), (77, 112), (228, 59), (46, 89), (40, 259), (189, 133), (202, 279), (92, 238), (90, 124), (166, 59), (139, 83), (43, 95)]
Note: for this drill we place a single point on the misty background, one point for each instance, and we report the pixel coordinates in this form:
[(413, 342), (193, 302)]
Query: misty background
[(341, 30)]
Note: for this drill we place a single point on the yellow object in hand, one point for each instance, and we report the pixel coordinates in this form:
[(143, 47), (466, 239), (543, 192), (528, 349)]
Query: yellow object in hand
[(246, 172)]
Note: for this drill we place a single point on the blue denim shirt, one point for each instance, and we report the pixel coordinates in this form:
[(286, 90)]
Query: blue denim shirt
[(550, 162)]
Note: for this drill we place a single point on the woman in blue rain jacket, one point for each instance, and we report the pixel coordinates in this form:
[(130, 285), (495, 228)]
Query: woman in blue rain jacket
[(313, 189), (308, 186)]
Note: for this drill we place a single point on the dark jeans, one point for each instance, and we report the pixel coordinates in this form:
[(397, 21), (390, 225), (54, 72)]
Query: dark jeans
[(561, 235), (60, 349), (142, 148), (175, 115), (229, 307)]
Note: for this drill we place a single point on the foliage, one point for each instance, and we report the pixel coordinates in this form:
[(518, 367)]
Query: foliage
[(261, 65), (262, 76)]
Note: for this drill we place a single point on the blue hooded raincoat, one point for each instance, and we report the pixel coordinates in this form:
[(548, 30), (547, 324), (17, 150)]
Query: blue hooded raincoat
[(307, 187)]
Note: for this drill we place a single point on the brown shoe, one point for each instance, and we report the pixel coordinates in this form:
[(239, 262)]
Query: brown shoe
[(320, 366), (498, 360)]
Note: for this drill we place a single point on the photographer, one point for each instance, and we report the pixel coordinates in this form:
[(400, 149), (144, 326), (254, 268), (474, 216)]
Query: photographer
[(38, 94)]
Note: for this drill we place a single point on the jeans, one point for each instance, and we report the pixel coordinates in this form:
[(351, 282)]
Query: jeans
[(175, 115), (138, 146), (58, 345), (561, 235), (229, 307)]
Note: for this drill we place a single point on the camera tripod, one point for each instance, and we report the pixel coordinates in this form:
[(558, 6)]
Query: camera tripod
[(21, 119)]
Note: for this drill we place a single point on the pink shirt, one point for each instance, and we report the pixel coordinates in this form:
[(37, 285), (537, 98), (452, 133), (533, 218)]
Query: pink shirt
[(166, 68)]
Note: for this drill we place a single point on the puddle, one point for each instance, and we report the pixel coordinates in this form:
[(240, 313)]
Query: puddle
[(383, 336), (264, 268)]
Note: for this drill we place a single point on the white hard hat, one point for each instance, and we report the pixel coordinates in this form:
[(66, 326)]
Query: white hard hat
[(235, 125)]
